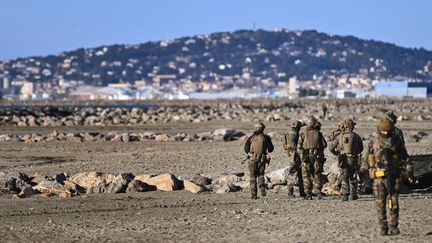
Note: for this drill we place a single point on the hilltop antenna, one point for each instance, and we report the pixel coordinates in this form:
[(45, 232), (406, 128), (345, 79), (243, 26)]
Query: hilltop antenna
[(253, 25)]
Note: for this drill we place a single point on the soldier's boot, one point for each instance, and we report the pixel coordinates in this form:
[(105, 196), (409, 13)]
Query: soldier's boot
[(290, 192), (383, 231), (263, 191), (384, 226), (345, 197), (394, 231), (354, 197), (262, 186), (308, 196)]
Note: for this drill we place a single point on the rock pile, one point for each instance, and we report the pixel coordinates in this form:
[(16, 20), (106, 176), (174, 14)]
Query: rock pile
[(198, 112), (19, 185), (222, 134)]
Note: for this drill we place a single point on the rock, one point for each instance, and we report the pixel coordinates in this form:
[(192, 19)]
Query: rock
[(60, 178), (73, 187), (277, 177), (205, 136), (13, 182), (228, 188), (97, 182), (27, 192), (224, 131), (420, 118), (332, 187), (125, 137), (192, 187), (201, 180), (230, 181), (37, 178), (55, 133), (6, 137), (164, 182), (143, 177), (139, 186), (162, 138), (53, 188), (226, 180)]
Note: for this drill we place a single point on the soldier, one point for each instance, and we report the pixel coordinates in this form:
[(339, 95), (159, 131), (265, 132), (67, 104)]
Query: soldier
[(348, 146), (290, 145), (385, 162), (257, 146), (312, 144), (324, 110), (397, 132)]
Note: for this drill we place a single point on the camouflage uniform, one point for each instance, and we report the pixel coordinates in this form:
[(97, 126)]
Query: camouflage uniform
[(257, 146), (348, 146), (396, 131), (290, 145), (312, 144), (386, 161)]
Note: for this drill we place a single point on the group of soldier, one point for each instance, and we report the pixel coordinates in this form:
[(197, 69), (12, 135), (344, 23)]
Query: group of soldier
[(386, 159)]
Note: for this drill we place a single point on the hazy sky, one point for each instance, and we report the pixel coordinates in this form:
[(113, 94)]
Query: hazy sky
[(29, 27)]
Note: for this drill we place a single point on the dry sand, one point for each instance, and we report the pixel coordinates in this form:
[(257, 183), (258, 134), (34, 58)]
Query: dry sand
[(182, 216)]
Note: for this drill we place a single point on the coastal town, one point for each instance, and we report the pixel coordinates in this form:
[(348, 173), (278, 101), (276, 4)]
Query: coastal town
[(242, 64)]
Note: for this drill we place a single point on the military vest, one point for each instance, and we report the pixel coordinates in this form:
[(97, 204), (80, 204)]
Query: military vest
[(291, 140), (312, 139), (258, 146), (385, 154), (347, 143)]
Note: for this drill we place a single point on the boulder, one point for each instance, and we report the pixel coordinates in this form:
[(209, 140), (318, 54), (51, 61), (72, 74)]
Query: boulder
[(13, 182), (226, 180), (201, 180), (164, 182), (139, 186), (192, 187), (224, 131), (162, 138), (125, 137), (52, 187), (228, 188), (97, 182), (60, 178), (277, 177), (73, 187), (6, 137), (332, 187), (236, 181), (27, 192)]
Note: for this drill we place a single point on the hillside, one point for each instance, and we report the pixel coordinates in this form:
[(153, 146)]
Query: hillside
[(273, 55)]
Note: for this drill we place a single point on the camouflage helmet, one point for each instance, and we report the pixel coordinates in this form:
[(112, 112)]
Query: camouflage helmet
[(385, 125), (391, 116), (259, 127), (311, 121), (349, 124)]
